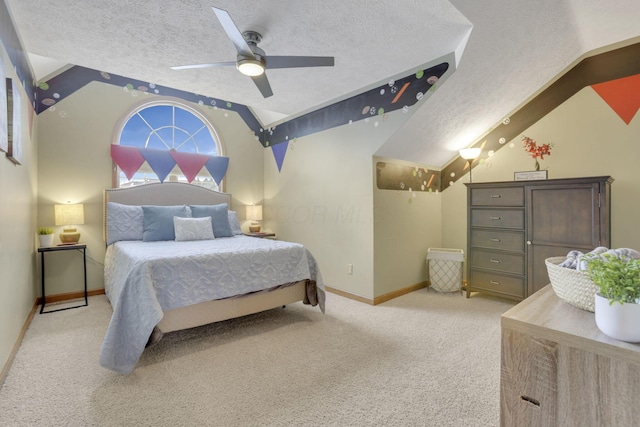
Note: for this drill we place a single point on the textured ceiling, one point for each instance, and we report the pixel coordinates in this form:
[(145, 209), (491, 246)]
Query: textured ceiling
[(514, 49)]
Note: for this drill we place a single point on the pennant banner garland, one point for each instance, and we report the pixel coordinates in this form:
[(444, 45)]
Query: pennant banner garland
[(130, 159)]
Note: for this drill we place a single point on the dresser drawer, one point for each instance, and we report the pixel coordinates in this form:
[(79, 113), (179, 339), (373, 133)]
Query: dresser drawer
[(494, 282), (507, 263), (498, 196), (497, 239), (499, 218)]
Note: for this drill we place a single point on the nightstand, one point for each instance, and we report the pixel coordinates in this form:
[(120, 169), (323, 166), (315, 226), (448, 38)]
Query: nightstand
[(81, 247), (260, 235)]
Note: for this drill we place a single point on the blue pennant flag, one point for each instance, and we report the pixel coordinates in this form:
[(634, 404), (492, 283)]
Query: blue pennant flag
[(160, 161), (279, 151), (217, 167)]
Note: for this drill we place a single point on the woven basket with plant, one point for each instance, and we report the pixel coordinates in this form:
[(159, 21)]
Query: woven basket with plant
[(572, 286)]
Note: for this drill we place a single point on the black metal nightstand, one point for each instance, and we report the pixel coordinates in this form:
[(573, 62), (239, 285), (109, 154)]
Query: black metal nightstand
[(77, 247)]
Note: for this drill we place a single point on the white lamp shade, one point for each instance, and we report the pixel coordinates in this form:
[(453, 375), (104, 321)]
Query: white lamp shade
[(72, 214), (470, 153), (254, 213)]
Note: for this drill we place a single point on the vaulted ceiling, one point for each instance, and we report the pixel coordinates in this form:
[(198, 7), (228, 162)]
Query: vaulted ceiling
[(506, 52)]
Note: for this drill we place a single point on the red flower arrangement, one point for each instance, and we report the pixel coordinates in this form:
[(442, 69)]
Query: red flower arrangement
[(535, 151)]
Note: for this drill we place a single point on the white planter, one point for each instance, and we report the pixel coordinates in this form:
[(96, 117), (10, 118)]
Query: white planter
[(46, 240), (619, 321)]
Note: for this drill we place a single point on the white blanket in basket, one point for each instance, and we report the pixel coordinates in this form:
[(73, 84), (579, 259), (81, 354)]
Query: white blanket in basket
[(578, 261)]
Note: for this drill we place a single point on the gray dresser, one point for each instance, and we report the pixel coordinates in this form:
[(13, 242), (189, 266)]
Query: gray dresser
[(514, 226)]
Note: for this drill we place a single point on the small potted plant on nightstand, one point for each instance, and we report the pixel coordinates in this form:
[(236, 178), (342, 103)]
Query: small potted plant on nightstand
[(46, 236), (617, 303)]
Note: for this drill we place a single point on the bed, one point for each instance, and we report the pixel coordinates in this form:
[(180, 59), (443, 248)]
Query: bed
[(164, 274)]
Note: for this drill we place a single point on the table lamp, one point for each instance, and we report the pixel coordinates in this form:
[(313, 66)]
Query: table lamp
[(69, 216), (254, 213)]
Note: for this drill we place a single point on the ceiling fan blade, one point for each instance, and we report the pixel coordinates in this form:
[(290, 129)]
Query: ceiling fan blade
[(215, 64), (233, 32), (263, 85), (298, 61)]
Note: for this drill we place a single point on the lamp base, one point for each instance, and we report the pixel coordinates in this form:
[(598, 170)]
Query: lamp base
[(254, 227), (69, 236)]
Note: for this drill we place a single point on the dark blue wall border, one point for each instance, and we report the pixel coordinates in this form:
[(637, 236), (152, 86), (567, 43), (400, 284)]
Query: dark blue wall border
[(395, 95), (66, 83), (392, 96)]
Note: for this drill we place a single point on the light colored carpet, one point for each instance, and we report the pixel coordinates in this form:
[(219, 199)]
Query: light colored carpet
[(423, 359)]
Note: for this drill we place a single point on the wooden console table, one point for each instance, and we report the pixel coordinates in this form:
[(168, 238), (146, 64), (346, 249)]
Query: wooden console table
[(558, 369)]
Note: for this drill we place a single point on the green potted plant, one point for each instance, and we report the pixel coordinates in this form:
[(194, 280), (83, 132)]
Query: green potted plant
[(617, 303), (45, 235)]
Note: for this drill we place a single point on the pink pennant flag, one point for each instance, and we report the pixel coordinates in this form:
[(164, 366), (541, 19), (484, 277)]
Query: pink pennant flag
[(189, 163), (128, 159)]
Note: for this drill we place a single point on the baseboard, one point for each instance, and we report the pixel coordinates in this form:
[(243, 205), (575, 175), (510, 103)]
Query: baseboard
[(349, 295), (16, 346), (399, 292), (379, 299), (68, 296)]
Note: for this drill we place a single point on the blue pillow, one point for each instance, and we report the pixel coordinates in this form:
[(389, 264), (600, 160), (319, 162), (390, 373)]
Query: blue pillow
[(219, 218), (158, 222), (234, 223)]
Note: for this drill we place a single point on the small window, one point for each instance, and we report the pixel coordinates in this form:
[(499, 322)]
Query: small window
[(171, 126)]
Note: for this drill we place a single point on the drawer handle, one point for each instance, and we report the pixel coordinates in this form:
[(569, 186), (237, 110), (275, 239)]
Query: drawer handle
[(495, 261), (496, 240), (495, 218), (493, 282), (531, 400), (495, 196)]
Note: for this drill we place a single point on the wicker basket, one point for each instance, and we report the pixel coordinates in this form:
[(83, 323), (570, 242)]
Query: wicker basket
[(570, 285)]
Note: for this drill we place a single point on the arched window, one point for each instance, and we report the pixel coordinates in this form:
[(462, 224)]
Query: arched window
[(172, 126)]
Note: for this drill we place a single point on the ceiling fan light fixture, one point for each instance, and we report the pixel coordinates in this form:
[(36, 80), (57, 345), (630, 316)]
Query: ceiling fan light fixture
[(252, 61), (250, 67)]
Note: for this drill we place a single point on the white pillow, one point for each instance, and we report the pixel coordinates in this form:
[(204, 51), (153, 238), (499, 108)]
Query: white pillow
[(124, 222), (193, 228)]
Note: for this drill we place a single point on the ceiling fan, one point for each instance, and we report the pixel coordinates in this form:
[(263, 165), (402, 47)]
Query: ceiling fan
[(252, 61)]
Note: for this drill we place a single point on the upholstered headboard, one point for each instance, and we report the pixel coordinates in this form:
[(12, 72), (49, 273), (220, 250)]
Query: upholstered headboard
[(166, 194)]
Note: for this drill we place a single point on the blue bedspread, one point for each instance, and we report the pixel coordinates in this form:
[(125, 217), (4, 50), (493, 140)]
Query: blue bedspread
[(144, 278)]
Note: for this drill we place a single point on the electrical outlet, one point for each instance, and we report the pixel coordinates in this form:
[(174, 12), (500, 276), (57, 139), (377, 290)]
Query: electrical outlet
[(349, 268)]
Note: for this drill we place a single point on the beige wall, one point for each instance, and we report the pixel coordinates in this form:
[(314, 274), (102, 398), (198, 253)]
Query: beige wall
[(405, 226), (75, 165), (323, 198), (18, 189), (589, 140)]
